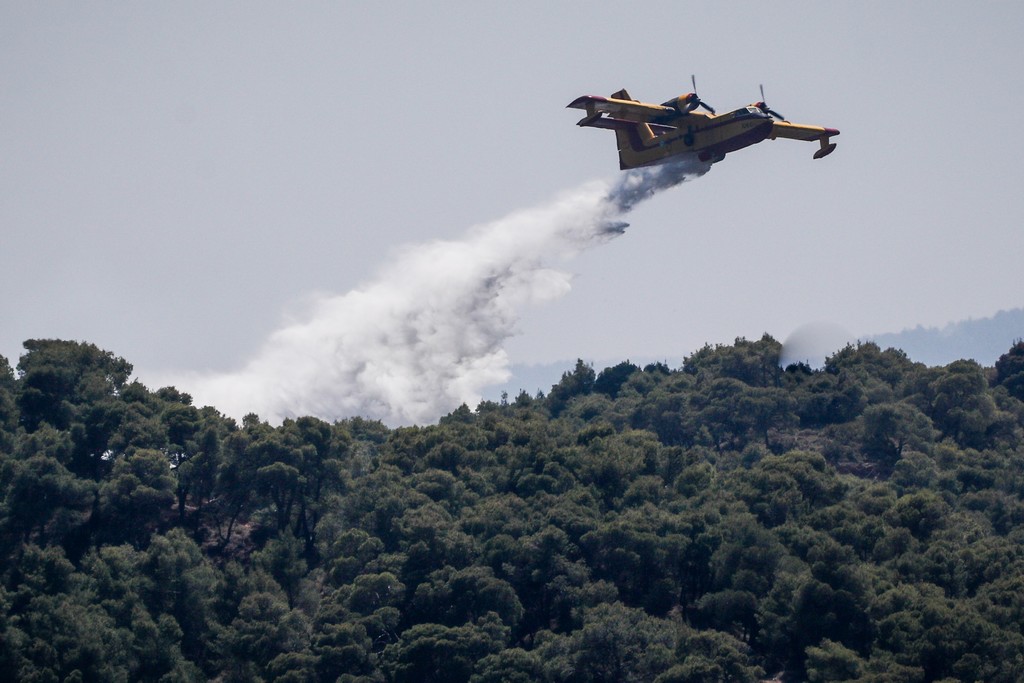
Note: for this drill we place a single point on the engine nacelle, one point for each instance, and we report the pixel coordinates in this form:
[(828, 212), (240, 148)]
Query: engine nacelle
[(684, 104)]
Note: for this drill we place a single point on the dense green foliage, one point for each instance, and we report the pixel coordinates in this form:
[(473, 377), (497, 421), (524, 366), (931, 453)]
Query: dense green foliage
[(719, 522)]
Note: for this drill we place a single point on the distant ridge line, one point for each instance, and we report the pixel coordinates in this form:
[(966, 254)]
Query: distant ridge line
[(983, 340)]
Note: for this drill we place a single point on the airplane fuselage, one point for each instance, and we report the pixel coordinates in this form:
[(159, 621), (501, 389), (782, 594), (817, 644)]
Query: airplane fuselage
[(709, 137)]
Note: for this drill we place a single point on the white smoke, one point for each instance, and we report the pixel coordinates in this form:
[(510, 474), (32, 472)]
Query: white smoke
[(426, 334), (813, 342)]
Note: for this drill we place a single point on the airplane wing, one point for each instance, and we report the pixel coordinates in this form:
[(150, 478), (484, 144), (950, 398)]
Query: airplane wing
[(797, 131), (631, 110)]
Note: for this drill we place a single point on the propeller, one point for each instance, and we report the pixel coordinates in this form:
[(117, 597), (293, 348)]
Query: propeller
[(700, 102), (764, 107)]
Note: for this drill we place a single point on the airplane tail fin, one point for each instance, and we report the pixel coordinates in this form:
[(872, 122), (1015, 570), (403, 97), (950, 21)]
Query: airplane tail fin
[(631, 137), (631, 140)]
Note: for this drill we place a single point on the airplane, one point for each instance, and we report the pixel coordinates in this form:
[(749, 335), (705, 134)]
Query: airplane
[(649, 134)]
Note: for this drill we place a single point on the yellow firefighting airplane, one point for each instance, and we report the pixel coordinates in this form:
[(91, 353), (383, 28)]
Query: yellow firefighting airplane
[(649, 134)]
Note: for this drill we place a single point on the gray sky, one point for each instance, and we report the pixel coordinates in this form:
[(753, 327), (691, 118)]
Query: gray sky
[(180, 180)]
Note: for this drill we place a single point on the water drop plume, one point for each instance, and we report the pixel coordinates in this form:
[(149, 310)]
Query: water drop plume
[(426, 334)]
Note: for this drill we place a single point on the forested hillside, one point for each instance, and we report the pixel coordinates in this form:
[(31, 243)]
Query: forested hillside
[(725, 521)]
